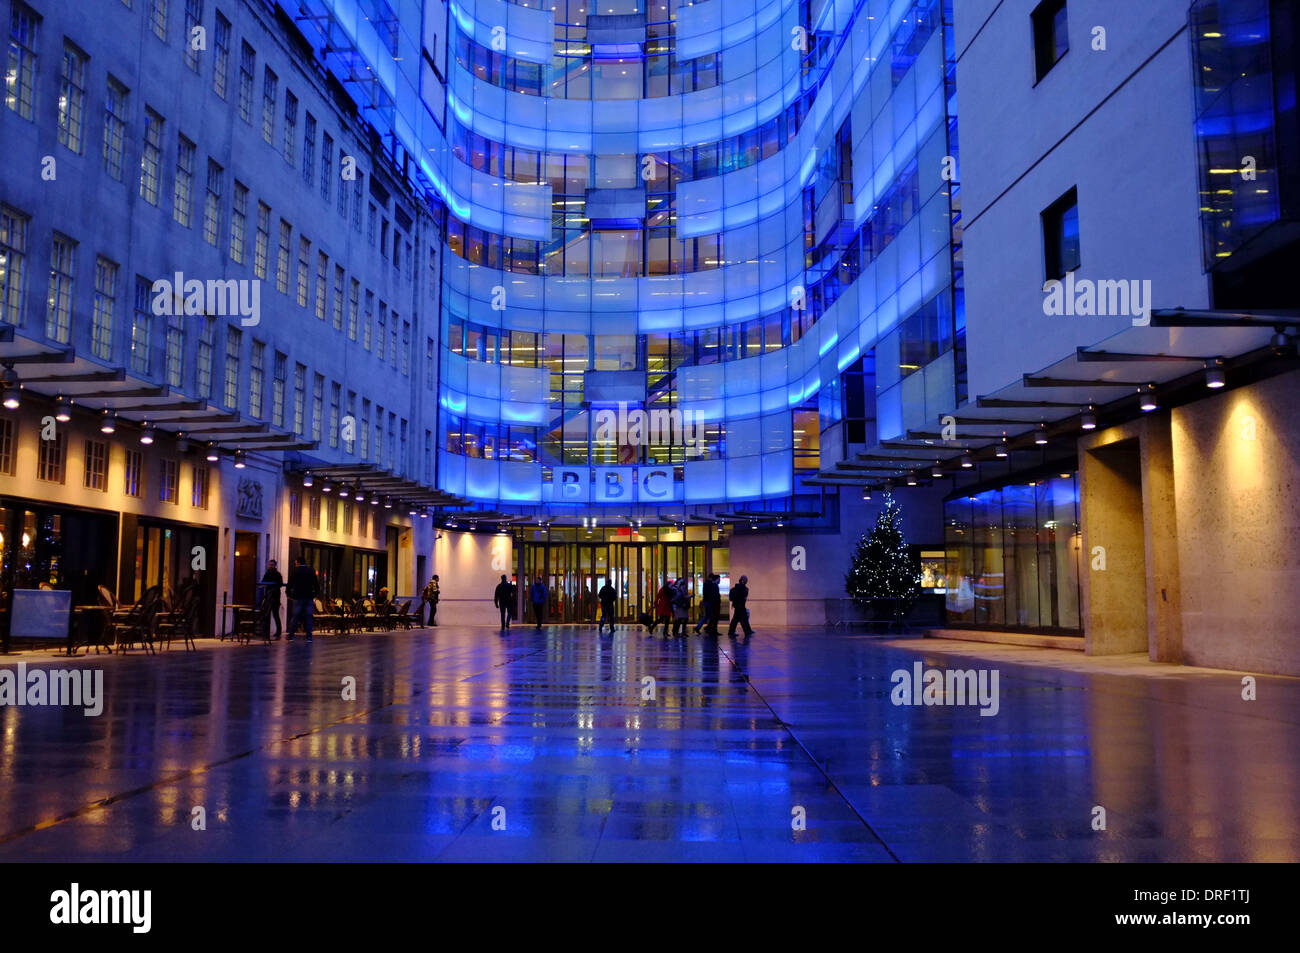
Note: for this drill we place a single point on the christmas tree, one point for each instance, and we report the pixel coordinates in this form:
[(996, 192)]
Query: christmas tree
[(883, 573)]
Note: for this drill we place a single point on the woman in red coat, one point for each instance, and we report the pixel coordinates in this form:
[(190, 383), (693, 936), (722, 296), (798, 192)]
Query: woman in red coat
[(663, 607)]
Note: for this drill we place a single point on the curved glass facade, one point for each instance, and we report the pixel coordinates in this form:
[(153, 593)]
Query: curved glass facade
[(668, 233)]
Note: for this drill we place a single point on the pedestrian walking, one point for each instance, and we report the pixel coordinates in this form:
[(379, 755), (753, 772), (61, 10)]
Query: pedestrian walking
[(711, 601), (273, 582), (503, 597), (739, 611), (537, 595), (608, 596), (430, 598), (303, 588), (681, 607), (663, 608), (514, 596)]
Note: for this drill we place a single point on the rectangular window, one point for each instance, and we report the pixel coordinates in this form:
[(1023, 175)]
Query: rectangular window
[(270, 87), (290, 127), (7, 445), (20, 74), (313, 512), (309, 148), (295, 508), (101, 320), (370, 225), (199, 487), (1061, 249), (326, 166), (141, 327), (50, 458), (299, 397), (175, 352), (115, 113), (335, 391), (96, 477), (131, 468), (343, 189), (234, 339), (338, 298), (350, 424), (392, 344), (381, 337), (317, 406), (367, 327), (365, 430), (193, 17), (169, 481), (212, 203), (406, 348), (331, 516), (429, 366), (379, 435), (322, 282), (358, 186), (262, 241), (13, 264), (282, 259), (72, 98), (1051, 35), (151, 156), (221, 57), (158, 19), (58, 315), (277, 389), (239, 223), (256, 375), (304, 257), (203, 375), (183, 194), (247, 64), (354, 307)]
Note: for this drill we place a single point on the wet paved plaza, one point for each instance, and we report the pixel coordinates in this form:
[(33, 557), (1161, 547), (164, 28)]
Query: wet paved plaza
[(466, 744)]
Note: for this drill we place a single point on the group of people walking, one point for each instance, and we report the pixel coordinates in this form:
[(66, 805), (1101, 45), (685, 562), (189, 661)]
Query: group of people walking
[(673, 602), (303, 589)]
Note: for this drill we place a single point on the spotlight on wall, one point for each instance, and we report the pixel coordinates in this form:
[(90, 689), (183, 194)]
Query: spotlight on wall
[(12, 391), (375, 501), (307, 481), (966, 461), (62, 409), (146, 433), (1215, 377), (182, 442), (424, 513), (936, 471), (240, 462), (412, 512), (866, 494), (344, 492), (359, 494), (1002, 451), (1089, 419), (1147, 399), (1040, 437), (911, 479), (212, 455), (328, 487), (1283, 344), (107, 421)]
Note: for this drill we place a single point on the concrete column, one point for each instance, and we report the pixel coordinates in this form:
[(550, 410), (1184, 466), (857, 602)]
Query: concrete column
[(1114, 597), (1160, 539)]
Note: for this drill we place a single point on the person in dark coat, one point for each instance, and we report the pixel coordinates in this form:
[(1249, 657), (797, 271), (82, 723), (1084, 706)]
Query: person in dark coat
[(711, 600), (608, 596), (273, 582), (504, 598), (739, 611), (681, 599), (537, 595), (302, 589), (430, 598)]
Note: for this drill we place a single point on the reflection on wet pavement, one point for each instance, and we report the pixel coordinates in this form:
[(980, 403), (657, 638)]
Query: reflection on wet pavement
[(462, 744)]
